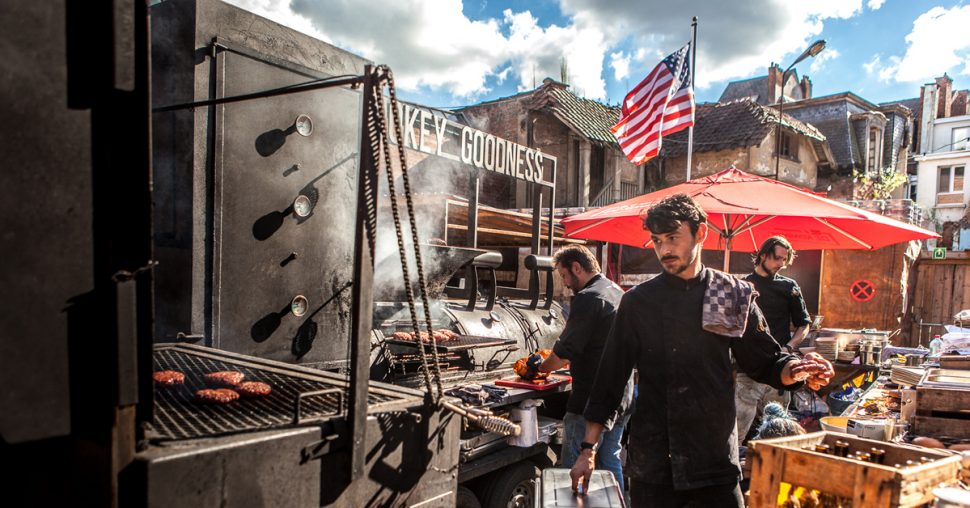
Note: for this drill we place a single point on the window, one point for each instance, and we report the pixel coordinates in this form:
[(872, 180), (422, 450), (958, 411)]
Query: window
[(949, 186), (959, 138), (871, 160), (787, 146)]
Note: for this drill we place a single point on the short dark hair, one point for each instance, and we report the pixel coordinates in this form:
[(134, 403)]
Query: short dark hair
[(667, 215), (768, 247), (577, 254)]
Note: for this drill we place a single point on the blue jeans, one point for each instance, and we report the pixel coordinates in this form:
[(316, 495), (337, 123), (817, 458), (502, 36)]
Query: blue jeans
[(607, 452)]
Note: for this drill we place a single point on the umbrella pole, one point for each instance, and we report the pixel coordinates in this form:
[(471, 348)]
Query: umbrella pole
[(727, 255)]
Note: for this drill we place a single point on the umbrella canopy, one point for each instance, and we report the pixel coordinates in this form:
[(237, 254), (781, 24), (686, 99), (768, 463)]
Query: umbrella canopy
[(743, 210)]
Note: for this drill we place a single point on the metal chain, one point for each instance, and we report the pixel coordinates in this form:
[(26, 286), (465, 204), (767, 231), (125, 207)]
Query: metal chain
[(399, 136), (392, 194)]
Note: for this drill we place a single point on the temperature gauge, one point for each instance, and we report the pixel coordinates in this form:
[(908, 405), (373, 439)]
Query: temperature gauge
[(302, 206), (304, 126), (299, 305)]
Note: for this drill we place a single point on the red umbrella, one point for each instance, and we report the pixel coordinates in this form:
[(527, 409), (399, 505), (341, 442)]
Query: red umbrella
[(744, 210)]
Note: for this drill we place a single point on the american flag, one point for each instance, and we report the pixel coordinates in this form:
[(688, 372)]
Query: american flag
[(662, 104)]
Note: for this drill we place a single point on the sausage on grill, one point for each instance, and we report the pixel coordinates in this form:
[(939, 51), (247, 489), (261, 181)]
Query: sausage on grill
[(224, 379), (253, 389), (168, 377), (216, 396)]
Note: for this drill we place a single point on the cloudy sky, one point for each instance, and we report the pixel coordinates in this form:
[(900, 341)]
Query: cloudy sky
[(451, 52)]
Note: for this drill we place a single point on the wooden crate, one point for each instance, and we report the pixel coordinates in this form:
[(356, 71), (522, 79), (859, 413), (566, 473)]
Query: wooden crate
[(942, 413), (774, 461)]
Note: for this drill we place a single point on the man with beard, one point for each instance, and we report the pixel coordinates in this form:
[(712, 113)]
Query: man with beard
[(780, 299), (580, 346), (683, 437)]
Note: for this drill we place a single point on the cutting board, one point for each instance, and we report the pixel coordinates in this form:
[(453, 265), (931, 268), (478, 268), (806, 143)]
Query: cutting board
[(549, 383)]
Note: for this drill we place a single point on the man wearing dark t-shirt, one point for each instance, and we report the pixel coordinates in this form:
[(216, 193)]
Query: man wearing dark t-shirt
[(581, 346), (781, 302)]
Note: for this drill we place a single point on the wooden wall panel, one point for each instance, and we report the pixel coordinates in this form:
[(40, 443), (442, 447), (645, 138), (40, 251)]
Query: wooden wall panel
[(883, 268), (941, 289)]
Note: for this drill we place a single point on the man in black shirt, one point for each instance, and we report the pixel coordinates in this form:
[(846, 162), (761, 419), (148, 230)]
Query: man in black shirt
[(580, 346), (683, 437), (780, 299)]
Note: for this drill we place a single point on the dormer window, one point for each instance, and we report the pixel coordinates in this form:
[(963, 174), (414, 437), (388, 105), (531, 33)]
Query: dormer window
[(873, 152)]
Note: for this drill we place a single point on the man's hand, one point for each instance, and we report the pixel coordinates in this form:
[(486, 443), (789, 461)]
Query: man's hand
[(582, 470), (813, 369), (532, 365)]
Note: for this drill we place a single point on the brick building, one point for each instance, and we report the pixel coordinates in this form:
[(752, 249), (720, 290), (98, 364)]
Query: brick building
[(592, 169)]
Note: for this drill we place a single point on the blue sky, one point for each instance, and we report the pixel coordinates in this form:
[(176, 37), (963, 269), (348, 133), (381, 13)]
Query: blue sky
[(451, 53)]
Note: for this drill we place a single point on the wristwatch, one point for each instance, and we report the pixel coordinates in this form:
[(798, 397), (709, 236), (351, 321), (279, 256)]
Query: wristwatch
[(587, 446)]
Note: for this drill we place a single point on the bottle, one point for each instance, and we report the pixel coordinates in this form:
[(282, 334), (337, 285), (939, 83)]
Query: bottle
[(841, 448), (878, 455), (935, 345)]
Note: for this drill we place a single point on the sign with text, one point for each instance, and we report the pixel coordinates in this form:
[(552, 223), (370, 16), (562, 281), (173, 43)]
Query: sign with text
[(432, 133)]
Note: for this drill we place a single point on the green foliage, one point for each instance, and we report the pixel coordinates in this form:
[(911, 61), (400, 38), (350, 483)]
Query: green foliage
[(879, 185)]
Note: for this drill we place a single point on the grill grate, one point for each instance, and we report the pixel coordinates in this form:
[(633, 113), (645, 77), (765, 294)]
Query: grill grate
[(179, 416)]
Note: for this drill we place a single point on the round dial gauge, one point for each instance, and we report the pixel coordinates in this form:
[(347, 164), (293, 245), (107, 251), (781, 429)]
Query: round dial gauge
[(304, 126), (302, 206), (299, 305)]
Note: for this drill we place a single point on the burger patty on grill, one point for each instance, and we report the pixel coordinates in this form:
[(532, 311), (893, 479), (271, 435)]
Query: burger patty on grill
[(442, 335), (168, 377), (216, 396), (253, 389), (224, 379)]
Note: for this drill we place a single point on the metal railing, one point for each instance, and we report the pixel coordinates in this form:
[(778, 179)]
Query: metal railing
[(606, 195)]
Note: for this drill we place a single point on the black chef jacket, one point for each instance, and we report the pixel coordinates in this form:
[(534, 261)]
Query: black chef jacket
[(590, 317), (780, 299), (683, 432)]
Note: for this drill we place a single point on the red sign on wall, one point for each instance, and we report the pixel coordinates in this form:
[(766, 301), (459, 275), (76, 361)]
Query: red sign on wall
[(862, 290)]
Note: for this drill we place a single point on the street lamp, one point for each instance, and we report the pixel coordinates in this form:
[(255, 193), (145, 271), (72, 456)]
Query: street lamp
[(812, 50)]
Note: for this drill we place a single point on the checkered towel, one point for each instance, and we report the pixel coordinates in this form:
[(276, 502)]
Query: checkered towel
[(726, 304)]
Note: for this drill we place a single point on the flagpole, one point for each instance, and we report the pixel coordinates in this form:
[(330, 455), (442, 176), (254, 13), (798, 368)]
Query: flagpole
[(693, 59)]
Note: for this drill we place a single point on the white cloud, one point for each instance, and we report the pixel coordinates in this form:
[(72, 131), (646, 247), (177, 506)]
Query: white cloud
[(735, 39), (939, 42), (432, 43), (875, 4), (883, 71), (873, 65), (620, 62), (539, 52), (427, 43), (819, 61), (502, 75)]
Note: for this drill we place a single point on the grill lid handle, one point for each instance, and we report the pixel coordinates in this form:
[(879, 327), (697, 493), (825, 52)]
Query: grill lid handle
[(540, 263), (490, 259)]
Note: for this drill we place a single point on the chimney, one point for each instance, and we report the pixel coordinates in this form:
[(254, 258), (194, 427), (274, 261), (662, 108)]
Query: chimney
[(958, 107), (929, 96), (945, 86), (774, 81), (549, 82), (806, 86)]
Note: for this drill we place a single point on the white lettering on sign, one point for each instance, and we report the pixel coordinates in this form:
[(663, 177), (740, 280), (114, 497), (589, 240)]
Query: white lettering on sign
[(433, 134)]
